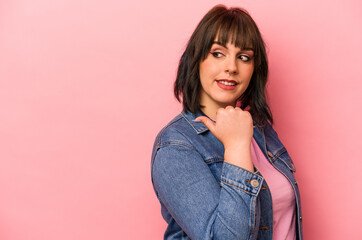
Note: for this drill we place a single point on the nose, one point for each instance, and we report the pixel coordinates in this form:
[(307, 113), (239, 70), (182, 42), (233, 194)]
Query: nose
[(231, 66)]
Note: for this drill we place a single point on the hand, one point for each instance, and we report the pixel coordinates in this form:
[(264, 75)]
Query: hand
[(233, 127)]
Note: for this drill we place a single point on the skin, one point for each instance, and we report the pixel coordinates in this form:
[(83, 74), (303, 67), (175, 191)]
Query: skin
[(233, 127)]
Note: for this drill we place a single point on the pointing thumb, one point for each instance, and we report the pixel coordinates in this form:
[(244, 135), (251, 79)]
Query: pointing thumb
[(207, 122)]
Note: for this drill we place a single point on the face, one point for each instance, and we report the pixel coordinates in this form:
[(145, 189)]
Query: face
[(224, 75)]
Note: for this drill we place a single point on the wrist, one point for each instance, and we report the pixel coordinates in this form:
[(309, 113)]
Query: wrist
[(239, 156), (238, 146)]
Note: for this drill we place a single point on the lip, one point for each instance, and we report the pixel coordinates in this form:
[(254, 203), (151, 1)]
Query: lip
[(227, 80), (225, 87)]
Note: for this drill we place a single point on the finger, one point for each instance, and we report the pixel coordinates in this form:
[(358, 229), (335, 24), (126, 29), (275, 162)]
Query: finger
[(207, 122)]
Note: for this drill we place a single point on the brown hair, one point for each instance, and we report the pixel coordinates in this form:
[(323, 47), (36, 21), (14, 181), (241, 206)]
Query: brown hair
[(234, 24)]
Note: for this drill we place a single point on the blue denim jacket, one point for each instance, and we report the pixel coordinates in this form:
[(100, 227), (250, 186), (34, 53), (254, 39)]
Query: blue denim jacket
[(203, 197)]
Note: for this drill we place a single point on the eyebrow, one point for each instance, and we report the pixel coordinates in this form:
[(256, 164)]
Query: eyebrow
[(223, 45)]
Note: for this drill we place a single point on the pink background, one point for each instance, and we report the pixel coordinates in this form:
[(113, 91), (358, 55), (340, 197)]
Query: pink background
[(86, 85)]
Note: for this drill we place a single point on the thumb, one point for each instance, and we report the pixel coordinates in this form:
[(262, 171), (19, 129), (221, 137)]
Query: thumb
[(207, 122)]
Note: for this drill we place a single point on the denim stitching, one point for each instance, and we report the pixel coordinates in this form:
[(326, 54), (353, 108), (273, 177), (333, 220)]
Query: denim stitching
[(222, 221), (264, 228), (291, 168), (231, 185), (252, 216), (159, 137), (253, 173), (198, 132), (280, 152), (213, 160), (175, 143), (274, 157)]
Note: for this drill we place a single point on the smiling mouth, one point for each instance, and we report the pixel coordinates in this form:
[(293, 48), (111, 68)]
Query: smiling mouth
[(227, 82)]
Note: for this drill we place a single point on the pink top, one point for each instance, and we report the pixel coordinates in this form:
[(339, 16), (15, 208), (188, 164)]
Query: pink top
[(282, 196)]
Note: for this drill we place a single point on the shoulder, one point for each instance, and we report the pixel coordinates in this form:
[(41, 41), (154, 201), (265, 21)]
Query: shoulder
[(175, 132), (174, 138)]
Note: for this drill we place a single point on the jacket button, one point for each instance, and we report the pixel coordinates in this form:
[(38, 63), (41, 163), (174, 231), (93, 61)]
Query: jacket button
[(254, 183), (300, 218), (296, 182)]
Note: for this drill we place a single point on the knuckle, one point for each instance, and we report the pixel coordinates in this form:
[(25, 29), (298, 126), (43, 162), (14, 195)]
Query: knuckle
[(247, 113)]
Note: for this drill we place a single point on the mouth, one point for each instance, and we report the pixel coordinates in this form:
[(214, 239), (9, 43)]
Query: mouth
[(226, 84)]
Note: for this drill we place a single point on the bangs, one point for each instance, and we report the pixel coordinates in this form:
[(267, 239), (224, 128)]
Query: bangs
[(237, 32), (237, 28)]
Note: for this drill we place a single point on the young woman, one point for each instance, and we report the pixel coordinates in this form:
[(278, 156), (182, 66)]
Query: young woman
[(219, 169)]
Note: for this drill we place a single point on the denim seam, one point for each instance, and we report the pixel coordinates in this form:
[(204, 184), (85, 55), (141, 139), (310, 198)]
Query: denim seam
[(252, 216), (180, 143), (175, 143), (291, 168), (264, 228), (274, 157), (253, 173), (177, 118), (222, 221), (232, 185), (158, 139), (197, 130), (280, 152), (213, 160)]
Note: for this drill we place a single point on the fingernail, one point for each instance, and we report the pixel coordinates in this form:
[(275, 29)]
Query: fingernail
[(196, 120)]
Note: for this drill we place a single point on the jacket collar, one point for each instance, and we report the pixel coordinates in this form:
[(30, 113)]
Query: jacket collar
[(197, 126)]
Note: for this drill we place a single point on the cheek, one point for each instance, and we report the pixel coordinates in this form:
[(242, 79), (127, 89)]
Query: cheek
[(207, 68), (249, 72)]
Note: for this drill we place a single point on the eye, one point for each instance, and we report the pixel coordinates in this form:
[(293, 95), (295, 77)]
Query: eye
[(216, 54), (244, 58)]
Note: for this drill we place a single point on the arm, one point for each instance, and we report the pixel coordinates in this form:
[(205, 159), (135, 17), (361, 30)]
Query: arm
[(203, 208)]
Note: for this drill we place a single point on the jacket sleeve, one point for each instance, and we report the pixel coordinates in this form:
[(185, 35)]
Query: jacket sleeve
[(202, 207)]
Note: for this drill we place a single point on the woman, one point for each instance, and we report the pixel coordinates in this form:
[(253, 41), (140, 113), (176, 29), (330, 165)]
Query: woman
[(217, 166)]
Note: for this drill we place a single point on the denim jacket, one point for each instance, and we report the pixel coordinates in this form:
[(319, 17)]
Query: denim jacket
[(202, 197)]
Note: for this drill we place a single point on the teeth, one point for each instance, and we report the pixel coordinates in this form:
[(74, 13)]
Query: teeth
[(227, 83)]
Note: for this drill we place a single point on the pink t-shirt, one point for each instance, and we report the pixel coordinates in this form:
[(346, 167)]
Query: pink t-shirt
[(282, 195)]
